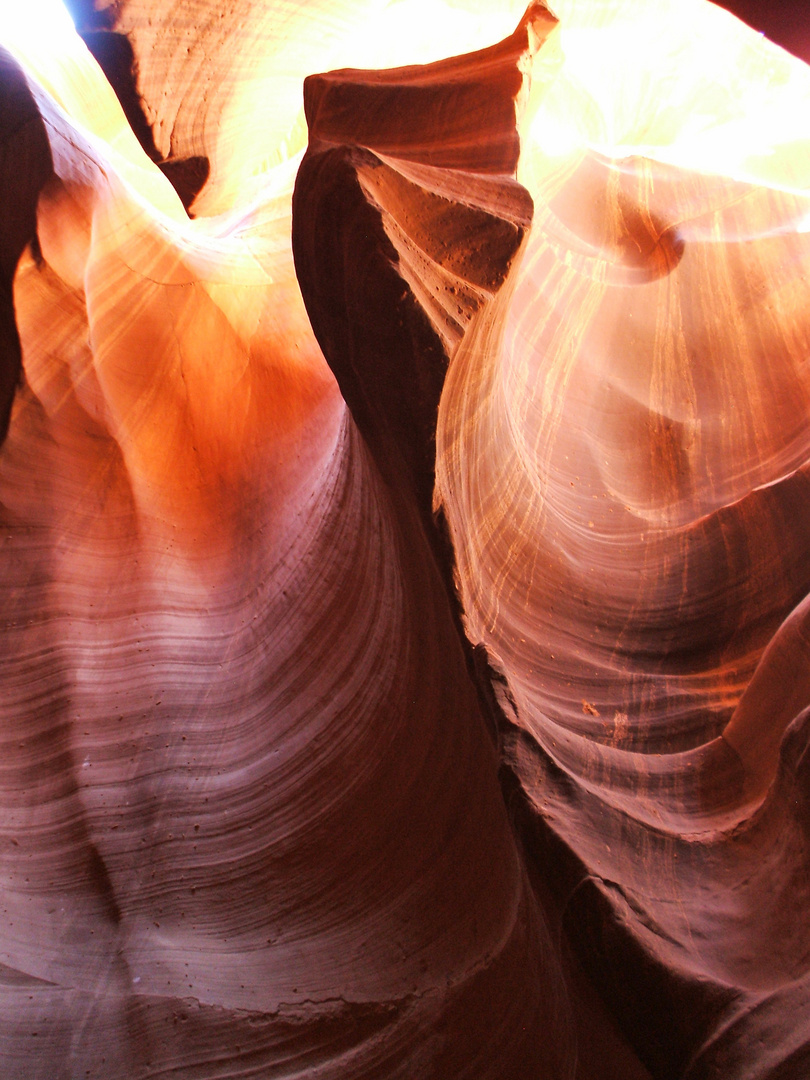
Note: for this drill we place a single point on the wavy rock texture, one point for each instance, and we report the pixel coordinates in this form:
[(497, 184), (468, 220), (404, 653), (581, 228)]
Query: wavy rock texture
[(251, 819), (260, 674), (622, 456)]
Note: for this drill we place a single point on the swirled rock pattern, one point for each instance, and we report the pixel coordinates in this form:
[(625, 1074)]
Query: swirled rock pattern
[(251, 819), (622, 455), (406, 643)]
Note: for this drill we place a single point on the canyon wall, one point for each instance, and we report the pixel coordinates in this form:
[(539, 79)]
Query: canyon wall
[(404, 509)]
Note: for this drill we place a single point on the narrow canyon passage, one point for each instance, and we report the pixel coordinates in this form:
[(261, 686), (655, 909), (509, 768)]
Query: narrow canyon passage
[(404, 514)]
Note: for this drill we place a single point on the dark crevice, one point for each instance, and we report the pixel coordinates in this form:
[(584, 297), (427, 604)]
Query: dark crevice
[(114, 55), (25, 166)]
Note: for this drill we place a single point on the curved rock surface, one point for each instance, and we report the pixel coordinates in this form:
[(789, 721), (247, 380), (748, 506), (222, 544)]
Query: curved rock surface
[(251, 816), (622, 456), (502, 478)]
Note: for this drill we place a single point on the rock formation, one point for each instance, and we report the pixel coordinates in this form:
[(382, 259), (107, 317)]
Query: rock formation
[(404, 498)]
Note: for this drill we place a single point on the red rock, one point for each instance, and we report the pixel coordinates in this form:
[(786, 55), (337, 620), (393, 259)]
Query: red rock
[(405, 644)]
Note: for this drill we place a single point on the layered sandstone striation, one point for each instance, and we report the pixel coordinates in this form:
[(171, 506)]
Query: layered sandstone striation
[(403, 506), (622, 457), (251, 817)]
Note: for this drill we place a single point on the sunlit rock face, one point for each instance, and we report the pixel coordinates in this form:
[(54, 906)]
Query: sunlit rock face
[(404, 541), (251, 816), (622, 455)]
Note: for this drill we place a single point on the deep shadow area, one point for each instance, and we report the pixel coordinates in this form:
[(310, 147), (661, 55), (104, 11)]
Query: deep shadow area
[(788, 24)]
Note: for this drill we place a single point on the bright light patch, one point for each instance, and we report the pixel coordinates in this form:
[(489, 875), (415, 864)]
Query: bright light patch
[(44, 24), (41, 36), (680, 81)]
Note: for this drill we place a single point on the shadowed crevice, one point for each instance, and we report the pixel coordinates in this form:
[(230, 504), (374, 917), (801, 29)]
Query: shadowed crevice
[(114, 55), (25, 165)]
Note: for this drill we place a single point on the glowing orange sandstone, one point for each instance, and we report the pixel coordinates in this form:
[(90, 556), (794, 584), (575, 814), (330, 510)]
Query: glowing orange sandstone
[(247, 784), (248, 797)]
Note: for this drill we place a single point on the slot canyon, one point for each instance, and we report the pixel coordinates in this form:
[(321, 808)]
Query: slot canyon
[(405, 538)]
